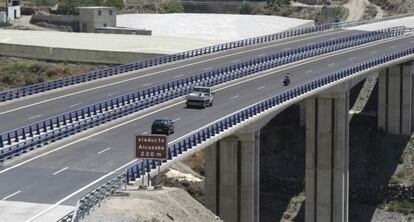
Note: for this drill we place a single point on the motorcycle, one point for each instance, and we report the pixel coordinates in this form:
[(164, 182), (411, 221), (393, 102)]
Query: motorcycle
[(286, 81)]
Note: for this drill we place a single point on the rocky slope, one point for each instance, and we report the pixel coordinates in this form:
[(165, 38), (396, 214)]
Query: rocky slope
[(168, 204)]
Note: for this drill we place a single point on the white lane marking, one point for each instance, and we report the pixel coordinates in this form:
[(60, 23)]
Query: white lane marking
[(90, 136), (78, 191), (373, 52), (234, 97), (59, 171), (176, 119), (178, 76), (392, 47), (352, 58), (237, 60), (76, 104), (269, 72), (166, 70), (309, 71), (34, 117), (103, 151), (331, 64), (261, 87), (310, 44), (144, 133), (132, 120), (12, 195), (111, 94), (147, 84), (286, 49), (208, 68), (332, 39), (261, 55)]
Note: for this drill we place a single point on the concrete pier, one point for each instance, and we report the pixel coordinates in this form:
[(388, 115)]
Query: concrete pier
[(232, 178), (327, 154), (395, 99), (302, 114)]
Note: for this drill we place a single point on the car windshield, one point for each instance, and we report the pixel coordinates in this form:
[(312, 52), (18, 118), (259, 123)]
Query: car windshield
[(160, 121), (202, 90)]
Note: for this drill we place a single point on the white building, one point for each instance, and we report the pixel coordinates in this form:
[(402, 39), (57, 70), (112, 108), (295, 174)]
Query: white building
[(13, 9), (2, 17)]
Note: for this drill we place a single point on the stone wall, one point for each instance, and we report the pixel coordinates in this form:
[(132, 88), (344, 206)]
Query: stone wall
[(125, 31), (59, 20)]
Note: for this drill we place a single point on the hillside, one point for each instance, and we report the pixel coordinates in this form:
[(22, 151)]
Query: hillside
[(168, 204)]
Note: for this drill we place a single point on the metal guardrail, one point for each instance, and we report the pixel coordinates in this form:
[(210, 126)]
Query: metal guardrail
[(232, 120), (94, 198), (72, 80), (93, 75), (35, 135), (224, 124)]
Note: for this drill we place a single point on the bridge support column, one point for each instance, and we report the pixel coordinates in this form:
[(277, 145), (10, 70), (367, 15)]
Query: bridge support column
[(327, 154), (302, 114), (232, 178), (395, 99)]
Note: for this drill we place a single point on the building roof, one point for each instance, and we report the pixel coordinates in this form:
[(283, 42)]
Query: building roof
[(213, 27), (188, 31)]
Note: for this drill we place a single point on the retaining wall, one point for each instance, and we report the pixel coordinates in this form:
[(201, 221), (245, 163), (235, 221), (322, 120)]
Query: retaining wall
[(72, 55)]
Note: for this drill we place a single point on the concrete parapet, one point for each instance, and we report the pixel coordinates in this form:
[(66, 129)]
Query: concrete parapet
[(232, 178), (73, 55), (327, 153)]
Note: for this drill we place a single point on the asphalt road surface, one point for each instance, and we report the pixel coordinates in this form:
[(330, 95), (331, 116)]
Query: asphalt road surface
[(71, 167), (27, 110)]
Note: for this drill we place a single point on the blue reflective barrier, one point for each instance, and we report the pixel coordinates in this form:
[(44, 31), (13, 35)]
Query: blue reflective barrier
[(234, 119), (220, 75)]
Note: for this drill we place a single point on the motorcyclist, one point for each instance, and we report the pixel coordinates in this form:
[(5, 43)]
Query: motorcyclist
[(286, 80)]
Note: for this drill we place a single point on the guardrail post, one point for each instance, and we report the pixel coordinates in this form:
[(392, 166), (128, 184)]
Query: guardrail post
[(30, 131), (16, 136), (70, 118), (9, 141), (37, 129), (64, 120)]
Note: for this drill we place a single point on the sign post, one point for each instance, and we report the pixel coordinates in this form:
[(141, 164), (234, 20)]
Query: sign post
[(153, 147)]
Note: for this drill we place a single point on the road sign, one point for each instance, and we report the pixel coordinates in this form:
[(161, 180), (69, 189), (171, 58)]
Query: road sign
[(151, 147)]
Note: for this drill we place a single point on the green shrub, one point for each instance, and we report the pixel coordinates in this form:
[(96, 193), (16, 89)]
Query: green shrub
[(173, 7), (46, 2), (246, 8), (405, 206), (278, 2)]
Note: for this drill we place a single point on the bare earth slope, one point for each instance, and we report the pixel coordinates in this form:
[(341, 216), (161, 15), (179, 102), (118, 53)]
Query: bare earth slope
[(168, 204)]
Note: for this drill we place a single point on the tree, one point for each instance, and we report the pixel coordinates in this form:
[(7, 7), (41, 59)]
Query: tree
[(173, 7), (246, 8), (68, 7), (119, 4)]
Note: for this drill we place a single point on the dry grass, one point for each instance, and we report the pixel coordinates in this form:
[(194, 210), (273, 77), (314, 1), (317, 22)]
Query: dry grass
[(395, 7), (16, 72), (317, 14)]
